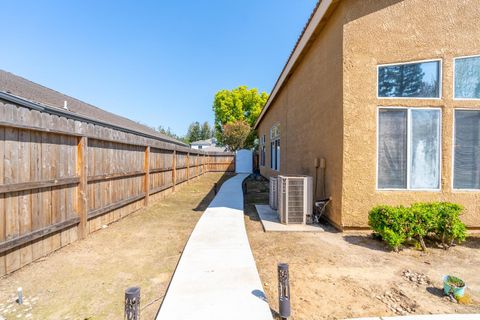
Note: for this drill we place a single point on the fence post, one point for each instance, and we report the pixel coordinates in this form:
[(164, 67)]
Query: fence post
[(283, 291), (197, 168), (146, 168), (82, 171), (132, 303), (174, 169)]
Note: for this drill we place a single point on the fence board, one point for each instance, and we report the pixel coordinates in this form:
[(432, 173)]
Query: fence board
[(54, 191), (2, 198)]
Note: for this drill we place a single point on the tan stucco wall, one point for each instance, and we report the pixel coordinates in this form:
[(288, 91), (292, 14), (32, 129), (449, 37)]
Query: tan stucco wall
[(309, 110), (379, 32)]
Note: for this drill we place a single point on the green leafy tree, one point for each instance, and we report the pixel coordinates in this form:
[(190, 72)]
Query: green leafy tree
[(239, 104), (235, 135), (194, 132), (206, 131)]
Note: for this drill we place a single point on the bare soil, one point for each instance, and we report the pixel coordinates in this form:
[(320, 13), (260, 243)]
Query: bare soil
[(343, 275), (87, 279)]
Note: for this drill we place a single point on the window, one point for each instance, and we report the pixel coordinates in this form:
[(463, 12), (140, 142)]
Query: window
[(410, 80), (408, 148), (467, 78), (275, 147), (466, 163), (262, 151)]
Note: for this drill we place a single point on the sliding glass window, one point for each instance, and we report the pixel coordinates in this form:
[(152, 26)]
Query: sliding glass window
[(408, 149), (466, 163)]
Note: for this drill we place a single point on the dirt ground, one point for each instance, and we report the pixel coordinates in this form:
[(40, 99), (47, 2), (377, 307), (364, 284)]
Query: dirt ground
[(342, 275), (87, 279)]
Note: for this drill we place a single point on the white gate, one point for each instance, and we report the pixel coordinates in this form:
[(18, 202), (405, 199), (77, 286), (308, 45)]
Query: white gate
[(244, 161)]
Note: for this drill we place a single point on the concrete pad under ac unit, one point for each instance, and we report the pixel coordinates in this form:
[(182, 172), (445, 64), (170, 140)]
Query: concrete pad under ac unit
[(271, 222)]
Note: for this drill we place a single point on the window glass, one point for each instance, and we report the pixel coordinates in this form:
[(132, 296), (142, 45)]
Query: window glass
[(467, 78), (409, 149), (467, 150), (392, 149), (425, 153), (272, 155), (412, 80), (277, 156)]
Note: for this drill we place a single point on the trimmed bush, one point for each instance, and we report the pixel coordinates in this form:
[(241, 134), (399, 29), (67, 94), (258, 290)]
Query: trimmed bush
[(438, 220)]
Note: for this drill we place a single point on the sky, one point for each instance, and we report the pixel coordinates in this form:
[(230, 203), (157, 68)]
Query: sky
[(156, 62)]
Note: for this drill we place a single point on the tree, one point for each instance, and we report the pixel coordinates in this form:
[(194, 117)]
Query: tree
[(194, 132), (239, 104), (235, 134), (206, 131), (402, 81), (168, 132)]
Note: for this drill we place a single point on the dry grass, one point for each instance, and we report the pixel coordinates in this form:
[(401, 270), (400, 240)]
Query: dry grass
[(338, 275), (86, 280)]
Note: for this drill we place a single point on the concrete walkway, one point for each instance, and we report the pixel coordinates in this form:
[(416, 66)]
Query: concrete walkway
[(427, 317), (216, 277)]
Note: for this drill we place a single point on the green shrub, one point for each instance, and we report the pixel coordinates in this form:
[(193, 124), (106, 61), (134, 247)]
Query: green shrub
[(390, 223), (440, 220), (449, 228)]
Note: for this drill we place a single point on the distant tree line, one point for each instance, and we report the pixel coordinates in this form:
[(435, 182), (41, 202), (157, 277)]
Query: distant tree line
[(195, 132)]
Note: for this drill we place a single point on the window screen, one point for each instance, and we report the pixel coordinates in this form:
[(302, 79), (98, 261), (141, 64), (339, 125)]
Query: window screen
[(467, 150), (392, 149), (411, 80), (467, 78), (409, 149), (425, 153)]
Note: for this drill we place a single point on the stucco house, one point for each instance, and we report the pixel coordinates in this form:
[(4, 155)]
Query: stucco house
[(388, 93)]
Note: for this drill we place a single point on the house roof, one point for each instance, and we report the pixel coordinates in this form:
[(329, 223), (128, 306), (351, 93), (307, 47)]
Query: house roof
[(205, 142), (28, 90), (319, 13), (215, 149)]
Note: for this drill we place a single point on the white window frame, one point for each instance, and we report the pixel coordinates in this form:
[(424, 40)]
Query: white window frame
[(453, 151), (409, 146), (263, 151), (454, 66), (274, 165), (440, 79)]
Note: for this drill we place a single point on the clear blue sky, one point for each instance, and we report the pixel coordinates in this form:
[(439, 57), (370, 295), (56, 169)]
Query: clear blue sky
[(157, 62)]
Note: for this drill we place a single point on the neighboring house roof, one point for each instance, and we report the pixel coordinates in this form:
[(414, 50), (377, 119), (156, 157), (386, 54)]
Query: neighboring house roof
[(215, 149), (206, 142), (34, 92), (319, 13)]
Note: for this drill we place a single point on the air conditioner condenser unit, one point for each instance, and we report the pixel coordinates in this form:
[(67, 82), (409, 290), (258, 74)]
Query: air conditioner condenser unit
[(295, 198), (273, 195)]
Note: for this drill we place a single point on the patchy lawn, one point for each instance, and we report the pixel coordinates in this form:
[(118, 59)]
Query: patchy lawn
[(341, 275), (87, 279)]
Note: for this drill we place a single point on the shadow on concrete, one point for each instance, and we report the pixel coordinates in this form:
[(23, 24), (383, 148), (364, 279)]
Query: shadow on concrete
[(260, 294)]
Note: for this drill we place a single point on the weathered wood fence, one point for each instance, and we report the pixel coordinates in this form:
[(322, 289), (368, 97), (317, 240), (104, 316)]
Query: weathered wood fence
[(63, 176)]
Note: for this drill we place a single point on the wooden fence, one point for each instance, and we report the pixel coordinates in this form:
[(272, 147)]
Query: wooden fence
[(63, 177)]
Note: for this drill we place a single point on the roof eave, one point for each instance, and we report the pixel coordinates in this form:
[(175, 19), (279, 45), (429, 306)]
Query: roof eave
[(302, 44)]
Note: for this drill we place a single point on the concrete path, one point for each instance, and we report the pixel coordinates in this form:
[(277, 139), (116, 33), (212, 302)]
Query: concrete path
[(216, 277), (427, 317)]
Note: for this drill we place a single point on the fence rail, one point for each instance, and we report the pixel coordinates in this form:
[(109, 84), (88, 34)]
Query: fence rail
[(61, 178)]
